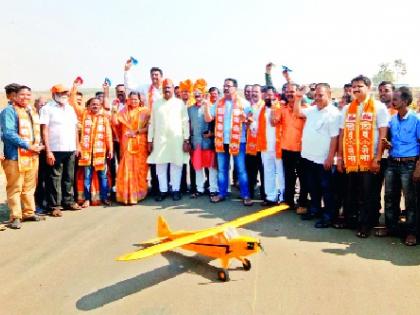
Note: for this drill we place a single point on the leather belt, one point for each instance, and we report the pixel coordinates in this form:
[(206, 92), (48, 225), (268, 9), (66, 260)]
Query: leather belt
[(404, 159)]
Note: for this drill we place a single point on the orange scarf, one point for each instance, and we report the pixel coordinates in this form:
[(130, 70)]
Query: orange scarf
[(94, 139), (252, 145), (358, 138), (29, 131), (236, 126), (150, 96), (258, 143)]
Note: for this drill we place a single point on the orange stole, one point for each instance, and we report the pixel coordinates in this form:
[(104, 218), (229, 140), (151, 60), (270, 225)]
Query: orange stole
[(252, 146), (29, 131), (93, 141), (258, 143), (358, 137), (236, 126), (131, 178), (150, 96)]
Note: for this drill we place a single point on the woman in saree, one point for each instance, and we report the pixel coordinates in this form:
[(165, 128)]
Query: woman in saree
[(131, 125)]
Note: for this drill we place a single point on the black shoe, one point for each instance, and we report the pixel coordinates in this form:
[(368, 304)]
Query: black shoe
[(176, 195), (269, 203), (308, 216), (322, 224), (161, 196)]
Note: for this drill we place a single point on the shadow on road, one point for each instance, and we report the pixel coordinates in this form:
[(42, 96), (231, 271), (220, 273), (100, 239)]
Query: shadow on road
[(289, 225), (177, 264)]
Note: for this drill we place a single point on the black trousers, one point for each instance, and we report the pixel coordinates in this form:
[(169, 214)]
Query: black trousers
[(253, 164), (294, 168), (154, 182), (60, 180), (114, 162), (360, 199), (42, 175), (193, 184), (184, 186)]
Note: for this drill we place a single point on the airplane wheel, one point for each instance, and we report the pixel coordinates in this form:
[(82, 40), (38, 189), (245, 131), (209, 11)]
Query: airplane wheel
[(246, 264), (223, 275)]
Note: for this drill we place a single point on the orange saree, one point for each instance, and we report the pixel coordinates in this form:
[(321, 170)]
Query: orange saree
[(131, 179)]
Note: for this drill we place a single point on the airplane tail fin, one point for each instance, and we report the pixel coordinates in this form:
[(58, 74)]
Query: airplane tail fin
[(162, 227)]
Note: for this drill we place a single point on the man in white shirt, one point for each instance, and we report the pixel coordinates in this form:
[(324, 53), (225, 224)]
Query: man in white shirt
[(59, 131), (319, 145), (168, 140)]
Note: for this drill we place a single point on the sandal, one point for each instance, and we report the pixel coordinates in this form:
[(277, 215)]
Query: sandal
[(410, 240), (85, 204), (216, 199), (56, 212), (248, 202), (196, 195), (73, 206)]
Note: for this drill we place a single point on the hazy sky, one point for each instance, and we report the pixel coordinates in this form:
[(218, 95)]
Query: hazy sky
[(48, 42)]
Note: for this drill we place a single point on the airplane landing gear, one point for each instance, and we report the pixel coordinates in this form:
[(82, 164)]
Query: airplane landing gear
[(246, 264), (223, 275)]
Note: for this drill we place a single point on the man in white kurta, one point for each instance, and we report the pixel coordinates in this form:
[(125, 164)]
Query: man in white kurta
[(168, 140)]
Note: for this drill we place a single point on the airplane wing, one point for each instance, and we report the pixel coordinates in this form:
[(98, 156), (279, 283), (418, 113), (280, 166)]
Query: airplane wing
[(163, 247)]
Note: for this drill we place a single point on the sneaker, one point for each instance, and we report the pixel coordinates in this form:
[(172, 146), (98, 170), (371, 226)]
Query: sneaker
[(34, 218), (16, 224)]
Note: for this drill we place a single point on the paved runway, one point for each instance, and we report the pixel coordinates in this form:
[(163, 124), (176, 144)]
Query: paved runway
[(67, 266)]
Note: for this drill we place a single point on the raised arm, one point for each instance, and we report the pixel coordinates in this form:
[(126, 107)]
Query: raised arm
[(79, 109), (268, 79), (297, 107), (207, 115)]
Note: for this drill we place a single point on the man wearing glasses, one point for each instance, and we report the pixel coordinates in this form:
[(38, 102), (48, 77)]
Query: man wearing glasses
[(230, 114)]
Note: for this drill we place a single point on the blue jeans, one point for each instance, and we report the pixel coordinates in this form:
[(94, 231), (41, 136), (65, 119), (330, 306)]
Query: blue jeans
[(223, 161), (399, 176), (102, 179), (319, 181)]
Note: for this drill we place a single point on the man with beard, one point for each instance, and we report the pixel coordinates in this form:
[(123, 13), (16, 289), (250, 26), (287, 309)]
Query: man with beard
[(268, 140), (59, 132), (168, 140)]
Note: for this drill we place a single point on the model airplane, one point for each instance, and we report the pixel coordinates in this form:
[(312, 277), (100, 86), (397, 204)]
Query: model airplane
[(222, 242)]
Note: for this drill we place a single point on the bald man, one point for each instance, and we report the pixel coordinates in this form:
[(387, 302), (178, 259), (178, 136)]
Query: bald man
[(168, 140)]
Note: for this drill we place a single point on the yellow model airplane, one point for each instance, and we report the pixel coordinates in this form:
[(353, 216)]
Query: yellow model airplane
[(222, 242)]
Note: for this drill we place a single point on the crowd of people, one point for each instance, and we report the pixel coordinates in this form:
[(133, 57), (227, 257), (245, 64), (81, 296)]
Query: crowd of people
[(327, 160)]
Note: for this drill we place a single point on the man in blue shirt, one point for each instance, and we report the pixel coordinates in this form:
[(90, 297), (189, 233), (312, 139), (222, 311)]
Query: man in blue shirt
[(21, 136), (235, 108), (404, 133)]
